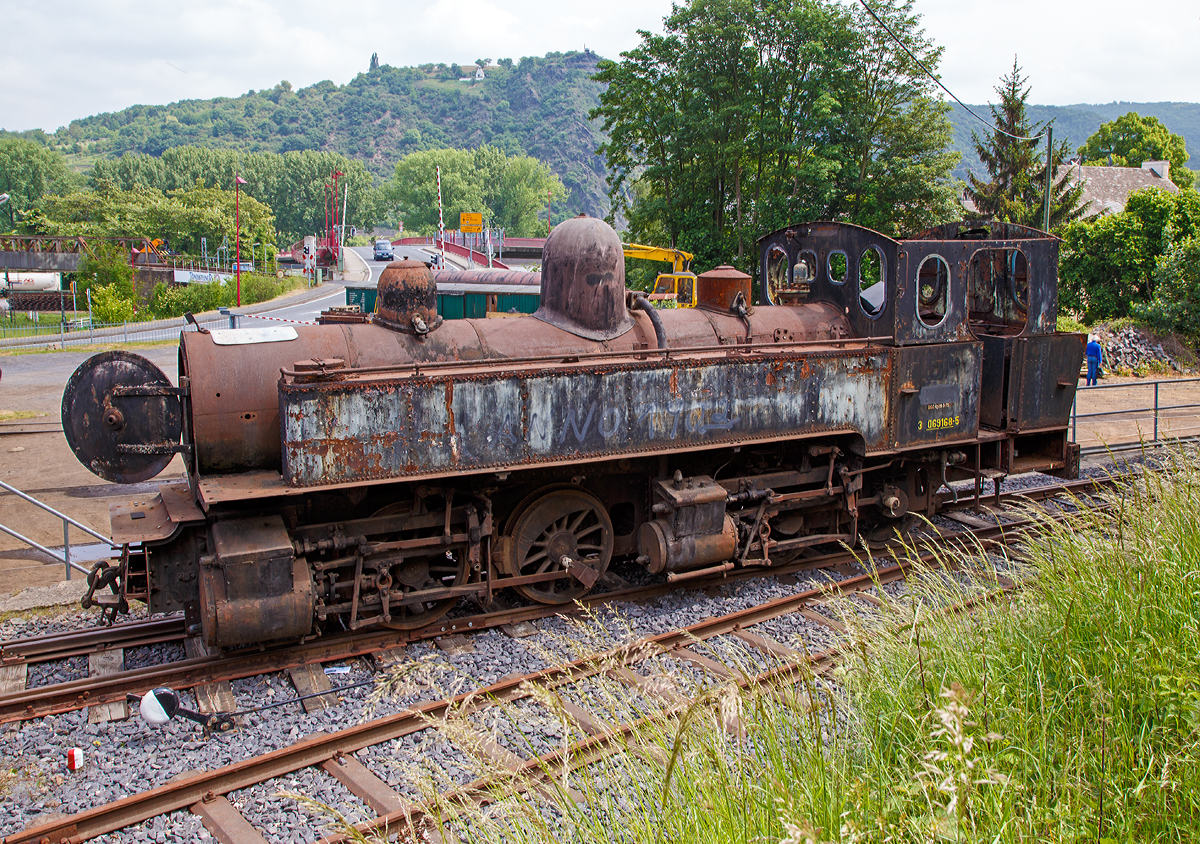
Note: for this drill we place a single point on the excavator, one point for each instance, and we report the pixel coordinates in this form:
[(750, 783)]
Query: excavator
[(674, 289)]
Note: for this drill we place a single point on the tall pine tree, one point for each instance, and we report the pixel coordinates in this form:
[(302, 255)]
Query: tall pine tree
[(1015, 192)]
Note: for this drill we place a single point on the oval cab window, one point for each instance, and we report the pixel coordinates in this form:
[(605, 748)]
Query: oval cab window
[(933, 291)]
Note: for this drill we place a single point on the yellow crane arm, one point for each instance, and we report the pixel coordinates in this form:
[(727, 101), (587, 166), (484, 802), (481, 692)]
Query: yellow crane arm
[(679, 260), (677, 286)]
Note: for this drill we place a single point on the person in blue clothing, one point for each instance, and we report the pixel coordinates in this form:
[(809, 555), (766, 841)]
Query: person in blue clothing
[(1094, 354)]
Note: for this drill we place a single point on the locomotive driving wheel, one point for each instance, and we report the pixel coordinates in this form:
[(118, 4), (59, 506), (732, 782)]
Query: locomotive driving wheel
[(558, 529), (419, 573)]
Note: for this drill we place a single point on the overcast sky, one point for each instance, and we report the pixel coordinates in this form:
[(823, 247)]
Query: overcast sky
[(67, 59)]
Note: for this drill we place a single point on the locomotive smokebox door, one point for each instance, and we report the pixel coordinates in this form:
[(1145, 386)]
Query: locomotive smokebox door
[(254, 589), (122, 417)]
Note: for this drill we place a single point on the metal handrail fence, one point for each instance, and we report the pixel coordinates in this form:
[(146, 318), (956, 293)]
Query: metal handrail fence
[(86, 333), (67, 522), (1155, 410)]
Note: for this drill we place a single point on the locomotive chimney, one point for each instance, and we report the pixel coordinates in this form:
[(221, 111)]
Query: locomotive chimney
[(583, 280)]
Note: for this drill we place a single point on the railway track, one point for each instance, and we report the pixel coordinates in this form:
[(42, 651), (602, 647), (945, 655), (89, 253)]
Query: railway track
[(202, 668), (205, 794)]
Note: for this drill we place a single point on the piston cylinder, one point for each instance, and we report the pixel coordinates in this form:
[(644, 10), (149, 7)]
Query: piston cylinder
[(667, 552), (254, 589), (690, 529)]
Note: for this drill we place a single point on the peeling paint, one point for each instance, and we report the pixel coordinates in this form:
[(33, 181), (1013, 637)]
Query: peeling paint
[(362, 429)]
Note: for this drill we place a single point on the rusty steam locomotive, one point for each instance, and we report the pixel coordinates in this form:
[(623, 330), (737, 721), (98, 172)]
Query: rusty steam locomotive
[(378, 472)]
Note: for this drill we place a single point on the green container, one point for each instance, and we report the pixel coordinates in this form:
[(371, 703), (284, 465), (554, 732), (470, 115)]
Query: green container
[(364, 297), (456, 305), (522, 303), (451, 305)]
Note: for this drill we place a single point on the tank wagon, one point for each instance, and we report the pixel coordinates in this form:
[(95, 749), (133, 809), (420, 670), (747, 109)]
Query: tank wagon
[(378, 473)]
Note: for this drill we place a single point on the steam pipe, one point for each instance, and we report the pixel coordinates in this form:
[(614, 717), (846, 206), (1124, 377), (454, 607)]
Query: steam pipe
[(640, 302)]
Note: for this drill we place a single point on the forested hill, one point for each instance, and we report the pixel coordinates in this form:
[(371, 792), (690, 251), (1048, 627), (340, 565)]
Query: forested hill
[(1074, 123), (537, 106)]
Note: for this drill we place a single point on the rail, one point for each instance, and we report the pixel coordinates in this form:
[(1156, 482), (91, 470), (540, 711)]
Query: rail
[(1155, 410), (67, 523)]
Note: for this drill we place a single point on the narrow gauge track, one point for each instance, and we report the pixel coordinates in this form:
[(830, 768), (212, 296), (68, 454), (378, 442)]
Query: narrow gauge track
[(187, 673), (203, 793)]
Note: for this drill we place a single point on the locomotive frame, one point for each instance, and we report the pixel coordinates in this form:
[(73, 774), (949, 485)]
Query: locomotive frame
[(379, 473)]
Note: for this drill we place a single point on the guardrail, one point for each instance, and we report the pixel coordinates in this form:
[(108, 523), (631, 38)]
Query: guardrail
[(1157, 415), (67, 523)]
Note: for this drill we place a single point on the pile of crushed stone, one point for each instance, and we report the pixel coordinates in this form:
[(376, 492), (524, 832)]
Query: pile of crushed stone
[(1133, 349)]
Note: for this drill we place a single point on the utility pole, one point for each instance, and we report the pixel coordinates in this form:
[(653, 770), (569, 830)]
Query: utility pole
[(441, 219), (238, 181), (1049, 175)]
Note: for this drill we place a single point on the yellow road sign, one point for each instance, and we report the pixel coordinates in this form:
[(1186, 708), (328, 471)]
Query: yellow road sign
[(470, 222)]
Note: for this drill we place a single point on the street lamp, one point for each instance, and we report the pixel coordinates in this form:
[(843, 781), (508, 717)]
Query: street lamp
[(238, 181)]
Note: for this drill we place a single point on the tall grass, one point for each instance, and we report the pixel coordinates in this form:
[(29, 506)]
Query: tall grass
[(1065, 710)]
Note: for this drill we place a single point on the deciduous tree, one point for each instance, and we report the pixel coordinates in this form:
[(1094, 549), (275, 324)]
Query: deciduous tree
[(746, 115), (1107, 266), (291, 184), (1132, 139), (509, 191), (182, 216), (29, 171)]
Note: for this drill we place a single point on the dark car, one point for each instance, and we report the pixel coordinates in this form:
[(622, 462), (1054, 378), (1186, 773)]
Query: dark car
[(383, 251)]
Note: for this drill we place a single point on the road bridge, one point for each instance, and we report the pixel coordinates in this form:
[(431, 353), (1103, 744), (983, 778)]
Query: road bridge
[(62, 254)]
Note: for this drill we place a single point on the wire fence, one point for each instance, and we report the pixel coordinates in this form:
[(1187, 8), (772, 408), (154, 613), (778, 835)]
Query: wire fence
[(84, 332)]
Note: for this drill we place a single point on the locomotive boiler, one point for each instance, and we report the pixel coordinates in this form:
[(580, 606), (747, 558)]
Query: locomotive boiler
[(381, 472)]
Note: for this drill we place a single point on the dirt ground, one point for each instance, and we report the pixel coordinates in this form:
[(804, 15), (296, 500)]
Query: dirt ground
[(1134, 399), (42, 464)]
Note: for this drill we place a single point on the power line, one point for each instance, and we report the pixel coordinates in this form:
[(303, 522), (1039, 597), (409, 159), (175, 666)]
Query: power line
[(931, 75)]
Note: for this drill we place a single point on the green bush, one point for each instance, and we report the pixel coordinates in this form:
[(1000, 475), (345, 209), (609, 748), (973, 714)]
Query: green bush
[(1176, 302), (110, 304), (1066, 709), (107, 266), (1071, 325), (168, 301)]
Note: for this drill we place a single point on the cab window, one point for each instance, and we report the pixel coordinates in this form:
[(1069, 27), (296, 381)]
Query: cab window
[(933, 291)]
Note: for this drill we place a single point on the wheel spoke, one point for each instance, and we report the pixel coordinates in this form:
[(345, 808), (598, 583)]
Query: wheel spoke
[(589, 531)]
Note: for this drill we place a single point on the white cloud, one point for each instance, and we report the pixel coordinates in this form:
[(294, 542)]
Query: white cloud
[(1072, 51), (67, 59)]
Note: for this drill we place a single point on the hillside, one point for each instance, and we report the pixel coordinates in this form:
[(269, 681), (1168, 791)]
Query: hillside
[(537, 107), (1076, 122)]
